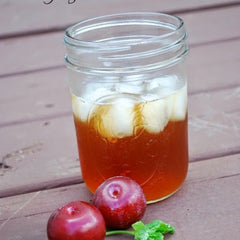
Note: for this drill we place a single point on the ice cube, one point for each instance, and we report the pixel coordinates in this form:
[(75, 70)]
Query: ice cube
[(152, 84), (156, 114), (81, 108), (162, 86), (92, 93), (95, 91), (179, 104), (161, 82), (135, 87), (148, 97), (115, 120)]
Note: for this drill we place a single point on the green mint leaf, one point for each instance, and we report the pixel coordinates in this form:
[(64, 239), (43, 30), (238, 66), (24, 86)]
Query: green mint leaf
[(151, 231), (156, 236), (138, 225), (160, 226), (141, 231)]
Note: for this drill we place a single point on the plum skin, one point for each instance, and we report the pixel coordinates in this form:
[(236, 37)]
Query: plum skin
[(121, 201), (76, 220)]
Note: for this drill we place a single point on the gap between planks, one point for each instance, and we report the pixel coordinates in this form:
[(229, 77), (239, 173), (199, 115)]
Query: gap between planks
[(64, 182), (221, 38), (69, 113), (191, 45), (63, 27), (203, 8), (219, 168), (191, 210)]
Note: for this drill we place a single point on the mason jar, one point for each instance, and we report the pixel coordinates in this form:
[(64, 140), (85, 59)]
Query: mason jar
[(128, 88)]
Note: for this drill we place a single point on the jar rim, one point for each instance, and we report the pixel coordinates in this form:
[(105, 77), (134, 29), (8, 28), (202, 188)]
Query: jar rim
[(81, 27)]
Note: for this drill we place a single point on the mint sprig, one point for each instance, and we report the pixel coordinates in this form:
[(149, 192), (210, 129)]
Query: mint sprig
[(154, 230)]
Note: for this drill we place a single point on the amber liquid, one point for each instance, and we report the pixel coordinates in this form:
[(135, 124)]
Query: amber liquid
[(157, 161)]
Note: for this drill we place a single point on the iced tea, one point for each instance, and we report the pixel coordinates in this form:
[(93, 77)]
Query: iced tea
[(143, 137), (128, 85)]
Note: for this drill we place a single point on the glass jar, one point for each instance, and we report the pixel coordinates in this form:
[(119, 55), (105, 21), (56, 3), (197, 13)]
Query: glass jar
[(129, 96)]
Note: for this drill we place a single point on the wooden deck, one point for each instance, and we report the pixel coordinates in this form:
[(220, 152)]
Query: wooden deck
[(39, 167)]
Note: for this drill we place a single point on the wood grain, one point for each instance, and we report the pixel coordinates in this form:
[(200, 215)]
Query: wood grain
[(209, 193), (214, 130), (41, 95), (24, 55), (60, 14), (34, 96), (38, 151), (214, 66)]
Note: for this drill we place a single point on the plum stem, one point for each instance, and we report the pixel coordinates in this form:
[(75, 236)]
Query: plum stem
[(119, 232)]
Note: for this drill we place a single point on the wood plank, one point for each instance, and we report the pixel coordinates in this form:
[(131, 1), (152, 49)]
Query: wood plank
[(59, 13), (34, 96), (214, 66), (50, 144), (214, 124), (38, 153), (42, 94), (212, 25), (208, 193), (42, 51), (200, 26)]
